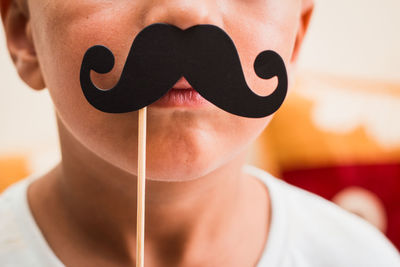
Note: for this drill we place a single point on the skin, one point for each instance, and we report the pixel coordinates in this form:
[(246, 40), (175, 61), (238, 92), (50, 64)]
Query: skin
[(201, 210)]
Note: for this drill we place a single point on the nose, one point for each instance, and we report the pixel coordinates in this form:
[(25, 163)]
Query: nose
[(182, 13)]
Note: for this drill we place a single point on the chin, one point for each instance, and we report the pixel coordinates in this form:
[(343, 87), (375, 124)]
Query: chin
[(178, 172), (181, 163)]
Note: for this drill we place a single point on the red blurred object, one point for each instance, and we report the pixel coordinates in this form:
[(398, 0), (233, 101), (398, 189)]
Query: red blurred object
[(381, 179)]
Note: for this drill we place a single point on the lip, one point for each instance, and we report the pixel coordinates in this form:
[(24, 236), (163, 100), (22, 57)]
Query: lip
[(181, 94)]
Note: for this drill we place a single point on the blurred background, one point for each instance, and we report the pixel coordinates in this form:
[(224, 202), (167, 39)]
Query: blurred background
[(337, 134)]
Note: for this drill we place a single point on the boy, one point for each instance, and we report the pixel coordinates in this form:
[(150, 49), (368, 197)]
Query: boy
[(204, 207)]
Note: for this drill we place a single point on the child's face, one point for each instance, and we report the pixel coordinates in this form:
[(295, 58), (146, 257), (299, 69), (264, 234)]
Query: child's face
[(183, 142)]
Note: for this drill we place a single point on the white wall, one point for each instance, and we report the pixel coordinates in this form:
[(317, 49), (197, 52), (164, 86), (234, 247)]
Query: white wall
[(351, 37), (354, 37), (27, 122)]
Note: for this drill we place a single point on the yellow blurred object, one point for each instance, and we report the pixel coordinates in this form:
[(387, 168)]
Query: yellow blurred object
[(332, 120), (12, 169)]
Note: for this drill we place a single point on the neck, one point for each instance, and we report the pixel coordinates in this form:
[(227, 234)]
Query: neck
[(102, 202)]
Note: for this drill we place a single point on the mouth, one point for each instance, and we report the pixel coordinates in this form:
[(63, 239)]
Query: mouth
[(181, 94)]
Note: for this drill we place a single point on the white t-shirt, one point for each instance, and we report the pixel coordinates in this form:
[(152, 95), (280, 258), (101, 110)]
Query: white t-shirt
[(305, 231)]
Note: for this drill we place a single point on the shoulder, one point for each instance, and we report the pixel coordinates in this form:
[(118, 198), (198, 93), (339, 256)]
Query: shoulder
[(10, 201), (319, 233), (14, 248)]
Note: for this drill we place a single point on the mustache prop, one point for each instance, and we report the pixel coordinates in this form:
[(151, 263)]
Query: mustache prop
[(204, 54)]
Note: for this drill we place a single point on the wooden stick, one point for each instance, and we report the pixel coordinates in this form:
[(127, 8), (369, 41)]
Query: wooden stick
[(141, 187)]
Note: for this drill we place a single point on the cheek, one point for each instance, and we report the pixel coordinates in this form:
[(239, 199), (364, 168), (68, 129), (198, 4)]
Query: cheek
[(62, 34), (62, 38), (263, 28)]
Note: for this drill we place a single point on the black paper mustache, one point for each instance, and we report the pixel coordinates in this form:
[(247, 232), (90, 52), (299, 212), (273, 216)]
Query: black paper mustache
[(204, 54)]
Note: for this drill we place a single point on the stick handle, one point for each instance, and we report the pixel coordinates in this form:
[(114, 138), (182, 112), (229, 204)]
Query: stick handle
[(141, 187)]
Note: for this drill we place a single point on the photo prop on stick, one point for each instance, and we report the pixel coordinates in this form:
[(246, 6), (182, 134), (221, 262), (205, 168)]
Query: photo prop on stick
[(160, 55), (204, 54)]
